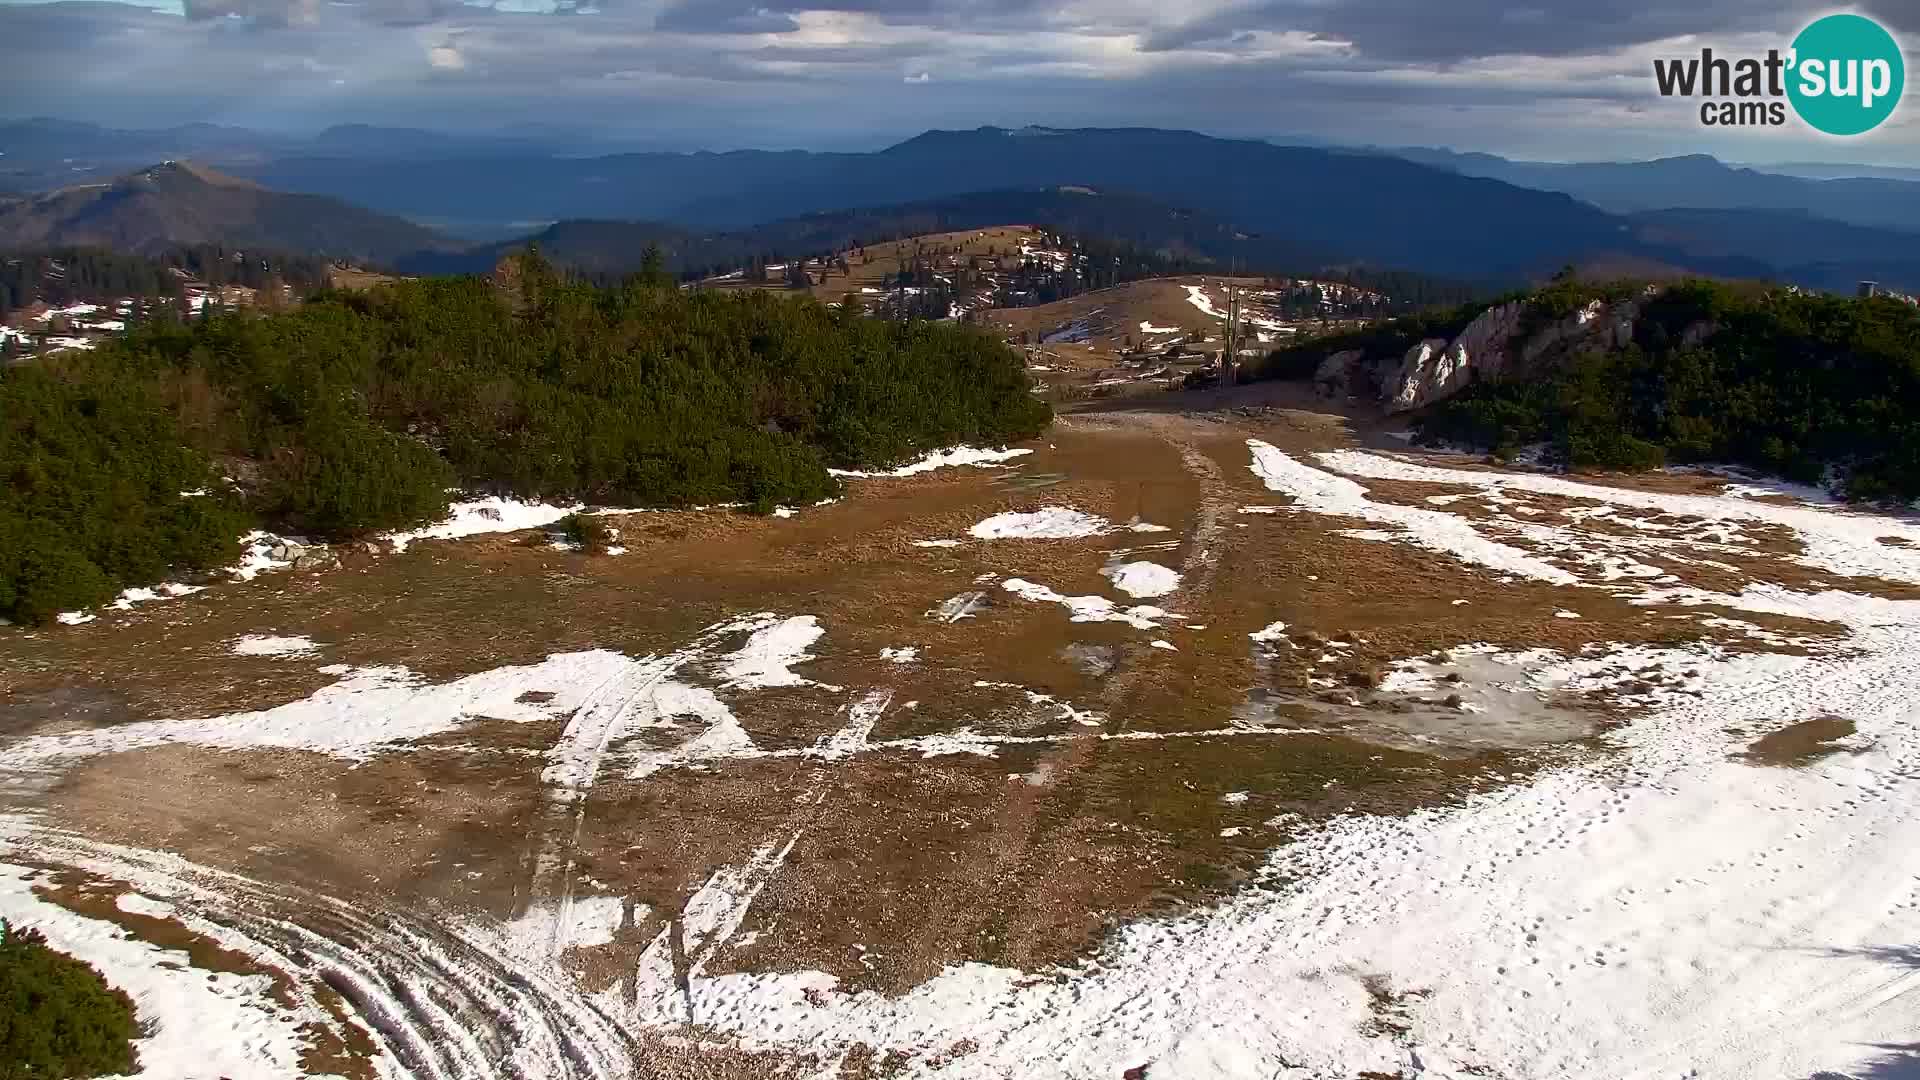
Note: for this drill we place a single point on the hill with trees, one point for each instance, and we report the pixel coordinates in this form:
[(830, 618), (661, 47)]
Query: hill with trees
[(64, 276), (1627, 375), (1126, 238), (179, 204), (356, 412), (1365, 208)]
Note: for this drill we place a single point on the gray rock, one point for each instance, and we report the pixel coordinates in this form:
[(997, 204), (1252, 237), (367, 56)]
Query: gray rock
[(315, 558), (1437, 369), (1336, 375)]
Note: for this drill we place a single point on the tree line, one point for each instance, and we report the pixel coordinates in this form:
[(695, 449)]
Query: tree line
[(1808, 386), (83, 275), (356, 412)]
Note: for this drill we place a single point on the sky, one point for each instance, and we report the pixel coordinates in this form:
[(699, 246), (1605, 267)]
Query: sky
[(1545, 79)]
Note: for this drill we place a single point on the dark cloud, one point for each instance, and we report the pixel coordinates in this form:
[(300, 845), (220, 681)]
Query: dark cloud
[(1459, 30), (729, 73)]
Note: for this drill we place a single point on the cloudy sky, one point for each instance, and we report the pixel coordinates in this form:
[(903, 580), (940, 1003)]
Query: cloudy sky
[(1554, 79)]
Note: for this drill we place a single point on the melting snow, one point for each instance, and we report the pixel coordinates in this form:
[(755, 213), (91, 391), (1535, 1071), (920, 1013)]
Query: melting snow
[(194, 1022), (550, 927), (941, 459), (1050, 523), (265, 645), (1143, 580), (1436, 530), (767, 657), (490, 515), (1090, 608)]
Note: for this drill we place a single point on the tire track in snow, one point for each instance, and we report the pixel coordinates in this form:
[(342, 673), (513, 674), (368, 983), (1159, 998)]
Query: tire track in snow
[(714, 913), (439, 1001), (580, 751)]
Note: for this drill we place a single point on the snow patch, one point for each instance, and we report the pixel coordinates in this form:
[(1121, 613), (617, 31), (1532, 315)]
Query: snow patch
[(941, 459), (495, 514), (1090, 608), (1048, 523), (268, 645), (768, 656), (1143, 580)]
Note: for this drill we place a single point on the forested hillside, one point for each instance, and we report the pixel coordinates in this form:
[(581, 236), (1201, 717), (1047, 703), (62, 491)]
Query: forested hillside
[(357, 412), (1806, 386), (176, 203), (1126, 237), (70, 275)]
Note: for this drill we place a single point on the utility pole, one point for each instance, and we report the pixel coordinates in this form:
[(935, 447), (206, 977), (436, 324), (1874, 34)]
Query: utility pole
[(1230, 355)]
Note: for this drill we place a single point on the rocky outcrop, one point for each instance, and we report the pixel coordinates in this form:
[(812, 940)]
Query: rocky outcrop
[(1491, 346), (1590, 327), (1436, 369)]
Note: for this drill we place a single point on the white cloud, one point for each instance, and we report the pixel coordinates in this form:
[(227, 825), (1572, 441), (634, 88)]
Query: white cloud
[(446, 58)]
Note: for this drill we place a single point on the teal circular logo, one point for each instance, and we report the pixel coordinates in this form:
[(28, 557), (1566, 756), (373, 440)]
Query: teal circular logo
[(1847, 75)]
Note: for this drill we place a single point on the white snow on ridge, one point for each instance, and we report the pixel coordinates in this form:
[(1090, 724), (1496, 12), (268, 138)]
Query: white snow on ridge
[(1143, 580), (493, 514), (941, 459), (1839, 541)]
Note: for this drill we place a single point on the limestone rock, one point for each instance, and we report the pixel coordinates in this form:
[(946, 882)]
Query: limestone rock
[(1436, 369)]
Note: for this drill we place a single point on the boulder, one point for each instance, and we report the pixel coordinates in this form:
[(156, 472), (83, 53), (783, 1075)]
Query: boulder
[(315, 557), (1335, 375)]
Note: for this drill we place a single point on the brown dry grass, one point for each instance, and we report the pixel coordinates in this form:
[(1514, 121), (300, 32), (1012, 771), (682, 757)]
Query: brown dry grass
[(1028, 857)]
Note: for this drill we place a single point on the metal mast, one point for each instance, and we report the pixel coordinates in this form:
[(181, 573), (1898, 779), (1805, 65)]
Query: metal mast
[(1230, 357)]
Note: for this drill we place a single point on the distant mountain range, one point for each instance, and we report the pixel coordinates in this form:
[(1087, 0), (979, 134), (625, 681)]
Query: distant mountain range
[(1118, 218), (1293, 208), (1888, 199), (177, 204), (39, 154), (1366, 208)]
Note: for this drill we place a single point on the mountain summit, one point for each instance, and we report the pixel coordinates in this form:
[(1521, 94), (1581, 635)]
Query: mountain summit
[(176, 203)]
